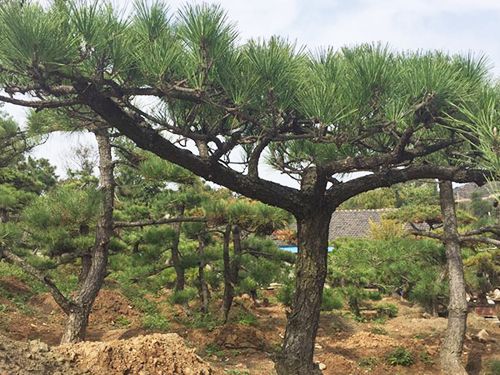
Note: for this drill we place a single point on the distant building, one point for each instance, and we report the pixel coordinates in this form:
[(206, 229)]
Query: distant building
[(354, 223)]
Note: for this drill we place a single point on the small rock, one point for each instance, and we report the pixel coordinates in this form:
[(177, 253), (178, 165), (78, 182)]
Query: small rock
[(483, 336), (318, 346), (38, 346), (322, 366), (426, 315)]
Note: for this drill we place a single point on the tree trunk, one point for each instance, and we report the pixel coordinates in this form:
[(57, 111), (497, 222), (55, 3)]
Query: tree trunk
[(76, 326), (297, 353), (79, 315), (180, 280), (203, 287), (228, 285), (451, 350)]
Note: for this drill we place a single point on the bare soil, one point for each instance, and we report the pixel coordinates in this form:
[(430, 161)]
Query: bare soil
[(119, 345)]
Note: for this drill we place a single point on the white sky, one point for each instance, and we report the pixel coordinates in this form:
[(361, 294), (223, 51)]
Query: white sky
[(451, 25)]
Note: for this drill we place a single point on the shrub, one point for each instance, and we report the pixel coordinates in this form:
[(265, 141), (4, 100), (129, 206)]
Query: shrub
[(400, 357), (285, 294), (387, 309), (368, 362), (246, 318), (331, 300), (494, 367), (379, 331), (155, 322), (183, 296), (122, 321)]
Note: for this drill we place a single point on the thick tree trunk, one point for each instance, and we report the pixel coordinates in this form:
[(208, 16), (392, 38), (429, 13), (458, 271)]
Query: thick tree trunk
[(451, 350), (296, 357), (203, 287), (227, 298), (76, 326), (180, 280), (79, 314)]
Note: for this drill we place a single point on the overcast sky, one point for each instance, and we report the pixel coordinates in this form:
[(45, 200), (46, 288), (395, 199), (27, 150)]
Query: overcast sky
[(461, 26)]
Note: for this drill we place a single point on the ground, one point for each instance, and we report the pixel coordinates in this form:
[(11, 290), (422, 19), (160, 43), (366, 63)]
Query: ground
[(121, 345)]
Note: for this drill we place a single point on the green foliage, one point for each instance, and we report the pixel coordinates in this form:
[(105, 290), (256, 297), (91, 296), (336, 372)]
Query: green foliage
[(400, 357), (181, 297), (285, 294), (246, 318), (156, 322), (368, 362), (407, 264), (387, 309), (332, 300), (493, 367)]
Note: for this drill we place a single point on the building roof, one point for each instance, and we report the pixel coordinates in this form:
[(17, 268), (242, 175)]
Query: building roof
[(354, 223)]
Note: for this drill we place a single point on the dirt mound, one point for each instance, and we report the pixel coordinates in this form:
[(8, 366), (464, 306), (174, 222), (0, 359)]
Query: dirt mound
[(34, 357), (109, 305), (152, 354), (234, 336), (14, 286), (368, 340)]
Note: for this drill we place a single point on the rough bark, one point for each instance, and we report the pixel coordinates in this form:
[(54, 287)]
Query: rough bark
[(78, 315), (451, 350), (203, 287), (180, 279), (227, 298), (297, 353)]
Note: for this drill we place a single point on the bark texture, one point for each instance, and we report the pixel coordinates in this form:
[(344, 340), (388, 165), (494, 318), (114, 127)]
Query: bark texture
[(202, 284), (227, 298), (180, 279), (297, 353), (451, 350), (78, 315)]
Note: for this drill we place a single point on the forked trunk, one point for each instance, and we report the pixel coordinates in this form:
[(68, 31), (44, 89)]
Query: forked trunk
[(297, 353), (89, 287), (451, 350)]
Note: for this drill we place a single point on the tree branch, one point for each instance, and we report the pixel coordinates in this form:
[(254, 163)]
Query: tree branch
[(179, 219), (61, 300)]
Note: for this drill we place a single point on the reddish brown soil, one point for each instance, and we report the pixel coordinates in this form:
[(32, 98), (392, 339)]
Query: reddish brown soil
[(343, 345)]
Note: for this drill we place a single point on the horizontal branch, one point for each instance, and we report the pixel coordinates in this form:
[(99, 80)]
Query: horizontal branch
[(40, 104), (339, 193), (179, 219), (61, 300)]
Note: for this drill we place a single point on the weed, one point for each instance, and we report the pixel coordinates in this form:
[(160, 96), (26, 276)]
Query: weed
[(155, 322), (493, 367), (246, 318), (369, 362), (379, 331), (181, 297), (387, 309), (400, 357), (426, 358), (214, 349), (122, 321)]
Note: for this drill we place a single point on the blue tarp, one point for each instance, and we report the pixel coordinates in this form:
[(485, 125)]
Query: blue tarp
[(294, 249)]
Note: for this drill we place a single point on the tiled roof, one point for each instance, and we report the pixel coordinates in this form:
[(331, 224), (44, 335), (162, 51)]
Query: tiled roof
[(354, 223)]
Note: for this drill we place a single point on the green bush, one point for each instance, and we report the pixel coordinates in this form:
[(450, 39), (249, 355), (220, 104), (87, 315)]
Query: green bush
[(285, 294), (400, 357), (368, 362), (183, 296), (246, 318), (387, 309), (155, 322), (493, 367), (331, 300)]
